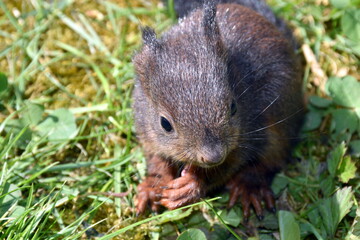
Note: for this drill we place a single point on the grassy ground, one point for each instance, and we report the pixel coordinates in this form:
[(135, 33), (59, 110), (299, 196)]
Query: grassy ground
[(66, 128)]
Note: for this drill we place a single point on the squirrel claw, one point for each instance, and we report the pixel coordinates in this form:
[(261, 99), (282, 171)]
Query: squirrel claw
[(148, 194), (255, 201), (272, 210), (260, 217), (269, 199), (251, 196)]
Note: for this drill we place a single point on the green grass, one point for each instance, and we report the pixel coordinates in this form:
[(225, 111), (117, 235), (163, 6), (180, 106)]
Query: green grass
[(66, 127)]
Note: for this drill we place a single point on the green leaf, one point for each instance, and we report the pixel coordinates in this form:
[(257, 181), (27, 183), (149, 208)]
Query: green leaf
[(15, 126), (289, 228), (69, 191), (174, 216), (11, 195), (231, 217), (354, 45), (313, 216), (320, 102), (307, 228), (192, 234), (354, 233), (335, 157), (344, 120), (350, 24), (333, 210), (218, 232), (340, 3), (357, 111), (3, 82), (347, 169), (345, 92), (196, 219), (32, 113), (355, 148), (279, 183), (263, 237), (270, 221), (312, 121), (59, 125), (343, 198), (328, 185)]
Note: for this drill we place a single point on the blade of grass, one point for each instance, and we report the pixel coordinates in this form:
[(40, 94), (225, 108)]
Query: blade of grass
[(171, 9), (11, 18), (71, 228), (101, 76), (12, 143), (68, 166), (118, 232), (117, 182), (89, 34), (57, 83), (3, 124), (222, 221), (32, 177), (93, 35)]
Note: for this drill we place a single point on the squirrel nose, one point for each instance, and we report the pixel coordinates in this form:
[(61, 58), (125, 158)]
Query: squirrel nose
[(211, 156)]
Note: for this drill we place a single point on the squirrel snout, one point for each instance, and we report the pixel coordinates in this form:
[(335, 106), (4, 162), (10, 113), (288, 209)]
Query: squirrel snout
[(211, 156)]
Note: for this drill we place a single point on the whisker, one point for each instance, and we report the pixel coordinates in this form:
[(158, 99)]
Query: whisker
[(256, 150), (244, 92), (273, 101), (271, 125)]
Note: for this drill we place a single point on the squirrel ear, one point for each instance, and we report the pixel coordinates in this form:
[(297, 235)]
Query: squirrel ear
[(211, 28), (149, 37)]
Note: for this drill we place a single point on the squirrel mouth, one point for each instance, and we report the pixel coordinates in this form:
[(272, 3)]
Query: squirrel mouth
[(212, 162)]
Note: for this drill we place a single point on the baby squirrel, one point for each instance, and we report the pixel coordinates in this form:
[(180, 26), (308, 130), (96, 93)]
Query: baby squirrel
[(217, 103)]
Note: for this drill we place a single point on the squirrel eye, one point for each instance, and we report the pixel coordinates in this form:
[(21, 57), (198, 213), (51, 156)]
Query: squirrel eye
[(165, 124), (233, 108)]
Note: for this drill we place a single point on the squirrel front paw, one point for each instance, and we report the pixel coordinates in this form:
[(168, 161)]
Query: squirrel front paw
[(181, 191), (148, 193)]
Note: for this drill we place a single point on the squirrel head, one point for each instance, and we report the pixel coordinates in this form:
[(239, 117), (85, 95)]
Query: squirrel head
[(184, 78)]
